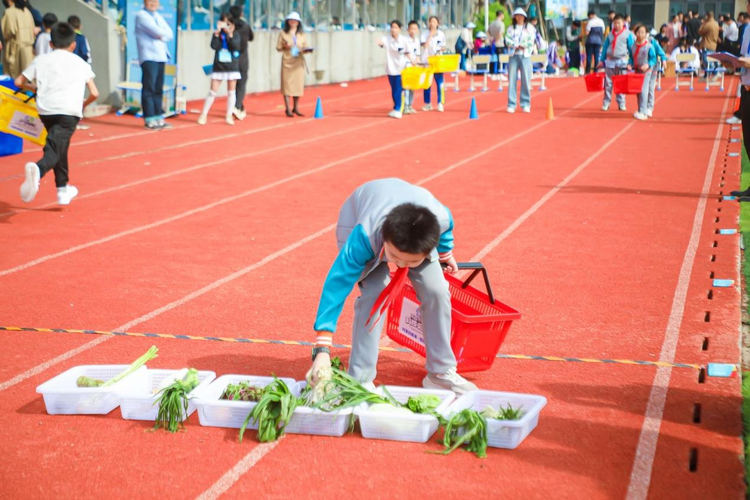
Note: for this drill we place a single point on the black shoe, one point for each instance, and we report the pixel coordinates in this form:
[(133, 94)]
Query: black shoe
[(297, 112), (739, 194), (289, 114), (743, 199)]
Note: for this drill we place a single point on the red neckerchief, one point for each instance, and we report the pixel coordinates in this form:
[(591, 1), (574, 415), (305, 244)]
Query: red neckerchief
[(386, 296), (614, 39), (637, 51)]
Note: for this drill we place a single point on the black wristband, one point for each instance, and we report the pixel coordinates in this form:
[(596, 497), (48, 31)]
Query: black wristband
[(318, 350)]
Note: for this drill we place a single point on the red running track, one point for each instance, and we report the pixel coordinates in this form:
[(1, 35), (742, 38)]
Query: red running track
[(598, 228)]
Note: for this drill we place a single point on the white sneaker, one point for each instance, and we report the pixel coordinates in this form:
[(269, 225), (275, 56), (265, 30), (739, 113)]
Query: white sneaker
[(440, 107), (733, 120), (410, 111), (640, 116), (526, 109), (395, 114), (202, 120), (622, 107), (65, 194), (449, 380), (240, 114), (30, 186), (511, 110), (649, 113), (605, 107), (230, 120), (427, 107)]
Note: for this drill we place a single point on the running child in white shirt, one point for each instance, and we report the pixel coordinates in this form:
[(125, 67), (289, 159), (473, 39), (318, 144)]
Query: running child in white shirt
[(414, 47), (433, 44), (60, 80), (396, 57)]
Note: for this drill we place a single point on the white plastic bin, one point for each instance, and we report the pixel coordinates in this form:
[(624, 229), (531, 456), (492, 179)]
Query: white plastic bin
[(319, 423), (414, 428), (215, 412), (138, 401), (63, 397), (506, 434)]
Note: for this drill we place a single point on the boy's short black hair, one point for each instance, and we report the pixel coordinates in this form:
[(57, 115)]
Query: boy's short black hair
[(397, 23), (591, 13), (49, 20), (235, 11), (620, 17), (413, 22), (75, 22), (411, 229), (62, 35)]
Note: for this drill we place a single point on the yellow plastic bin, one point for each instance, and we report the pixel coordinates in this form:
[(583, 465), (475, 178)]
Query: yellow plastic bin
[(445, 64), (18, 116), (416, 78)]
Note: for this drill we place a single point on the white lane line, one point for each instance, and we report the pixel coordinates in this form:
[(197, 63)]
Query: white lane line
[(194, 124), (640, 476), (229, 199), (231, 477)]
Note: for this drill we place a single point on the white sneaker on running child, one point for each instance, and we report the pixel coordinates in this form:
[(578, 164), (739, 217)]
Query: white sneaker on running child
[(526, 109), (605, 107), (30, 186), (511, 110), (449, 380), (395, 114), (65, 194), (622, 107), (440, 107), (410, 111), (640, 116), (427, 107), (649, 112), (202, 120), (733, 120)]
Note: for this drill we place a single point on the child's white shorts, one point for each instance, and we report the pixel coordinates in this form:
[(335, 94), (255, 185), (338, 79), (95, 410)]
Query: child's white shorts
[(226, 75)]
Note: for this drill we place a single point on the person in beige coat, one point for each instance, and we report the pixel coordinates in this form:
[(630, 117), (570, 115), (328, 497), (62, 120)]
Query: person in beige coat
[(292, 44), (18, 34)]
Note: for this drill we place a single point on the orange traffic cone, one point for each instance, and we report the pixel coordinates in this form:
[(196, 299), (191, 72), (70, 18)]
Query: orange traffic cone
[(550, 110)]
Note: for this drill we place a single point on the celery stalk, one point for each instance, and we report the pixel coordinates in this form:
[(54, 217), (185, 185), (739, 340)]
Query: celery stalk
[(150, 354)]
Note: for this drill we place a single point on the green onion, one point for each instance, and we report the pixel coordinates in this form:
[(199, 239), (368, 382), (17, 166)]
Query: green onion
[(508, 413), (344, 391), (173, 402), (273, 411), (466, 428)]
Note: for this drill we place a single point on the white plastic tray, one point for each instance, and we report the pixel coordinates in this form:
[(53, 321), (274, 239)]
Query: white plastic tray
[(506, 434), (137, 401), (414, 428), (215, 412), (319, 423), (63, 397)]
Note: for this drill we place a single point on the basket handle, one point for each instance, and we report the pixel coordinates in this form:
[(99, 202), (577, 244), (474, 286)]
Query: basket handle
[(476, 268), (33, 95)]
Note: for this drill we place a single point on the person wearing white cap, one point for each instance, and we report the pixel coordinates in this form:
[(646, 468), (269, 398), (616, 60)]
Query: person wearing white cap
[(433, 44), (292, 43), (480, 41), (520, 39)]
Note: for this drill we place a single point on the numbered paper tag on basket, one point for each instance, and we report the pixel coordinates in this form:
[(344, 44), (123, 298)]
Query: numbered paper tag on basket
[(26, 124), (410, 323)]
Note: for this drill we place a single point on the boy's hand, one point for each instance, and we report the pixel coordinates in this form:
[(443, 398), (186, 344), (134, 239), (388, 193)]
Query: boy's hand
[(320, 370), (644, 68), (450, 266)]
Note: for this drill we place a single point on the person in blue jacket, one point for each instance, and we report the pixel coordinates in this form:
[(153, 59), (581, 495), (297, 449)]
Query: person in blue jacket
[(661, 60), (643, 61), (390, 221)]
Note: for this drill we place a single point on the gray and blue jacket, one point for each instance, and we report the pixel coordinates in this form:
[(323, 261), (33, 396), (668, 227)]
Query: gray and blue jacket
[(360, 240), (643, 54), (616, 47)]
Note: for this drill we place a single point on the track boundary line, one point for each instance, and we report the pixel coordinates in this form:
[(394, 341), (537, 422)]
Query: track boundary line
[(645, 454), (232, 475), (303, 343)]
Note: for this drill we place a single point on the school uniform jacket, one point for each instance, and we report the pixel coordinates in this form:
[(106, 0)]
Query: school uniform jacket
[(616, 48), (360, 240)]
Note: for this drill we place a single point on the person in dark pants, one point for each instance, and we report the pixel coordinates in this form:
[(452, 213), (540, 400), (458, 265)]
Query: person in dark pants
[(60, 105), (152, 34), (594, 38), (574, 45), (245, 32), (745, 102)]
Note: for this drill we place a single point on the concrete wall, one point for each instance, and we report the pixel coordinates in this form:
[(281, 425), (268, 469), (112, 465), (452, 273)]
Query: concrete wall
[(339, 56), (103, 38)]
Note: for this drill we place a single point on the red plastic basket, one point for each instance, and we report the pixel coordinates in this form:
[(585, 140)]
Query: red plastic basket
[(478, 327), (632, 83), (594, 82)]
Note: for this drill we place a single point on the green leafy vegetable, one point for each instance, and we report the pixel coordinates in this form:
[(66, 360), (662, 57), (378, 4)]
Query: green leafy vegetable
[(242, 392), (508, 413), (273, 411), (344, 391), (91, 382), (173, 402), (424, 403), (466, 428)]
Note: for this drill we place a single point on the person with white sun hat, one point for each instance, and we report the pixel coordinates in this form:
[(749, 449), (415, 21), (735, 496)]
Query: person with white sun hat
[(292, 43), (520, 40)]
